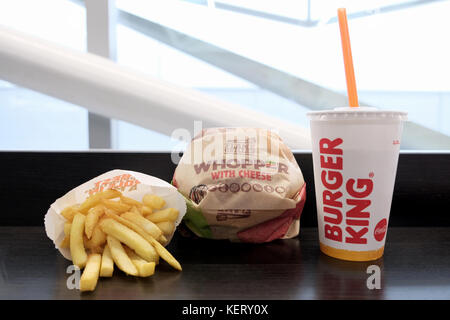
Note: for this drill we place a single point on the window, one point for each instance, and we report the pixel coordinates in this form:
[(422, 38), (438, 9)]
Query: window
[(30, 120), (280, 58)]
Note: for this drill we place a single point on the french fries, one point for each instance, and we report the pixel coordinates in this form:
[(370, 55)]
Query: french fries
[(107, 266), (145, 268), (92, 218), (145, 224), (89, 278), (129, 237), (135, 210), (163, 253), (98, 238), (77, 251), (120, 257), (162, 239), (109, 228), (131, 202), (70, 212), (146, 210), (169, 214), (153, 201), (116, 205), (135, 228), (167, 227), (66, 241), (97, 198), (67, 227)]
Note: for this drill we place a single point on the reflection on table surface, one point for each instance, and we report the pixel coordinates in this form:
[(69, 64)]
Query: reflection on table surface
[(416, 265)]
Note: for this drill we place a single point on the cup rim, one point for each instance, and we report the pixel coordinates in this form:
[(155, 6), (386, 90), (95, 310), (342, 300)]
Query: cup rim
[(347, 113)]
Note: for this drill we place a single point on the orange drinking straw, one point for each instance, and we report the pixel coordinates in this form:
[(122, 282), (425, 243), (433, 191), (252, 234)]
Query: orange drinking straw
[(348, 61)]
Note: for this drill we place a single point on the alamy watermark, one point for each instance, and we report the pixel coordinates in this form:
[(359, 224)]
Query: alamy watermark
[(374, 280), (73, 281), (223, 144)]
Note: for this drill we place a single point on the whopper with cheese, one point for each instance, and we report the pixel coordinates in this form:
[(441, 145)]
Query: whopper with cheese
[(241, 184)]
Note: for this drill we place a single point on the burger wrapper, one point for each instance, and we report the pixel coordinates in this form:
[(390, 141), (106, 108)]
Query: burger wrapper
[(132, 184), (241, 184)]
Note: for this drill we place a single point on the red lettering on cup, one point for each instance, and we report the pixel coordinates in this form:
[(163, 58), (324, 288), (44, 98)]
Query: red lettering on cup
[(357, 210), (331, 179), (331, 162), (365, 184), (336, 215), (328, 146), (330, 198), (356, 236), (333, 233), (357, 217)]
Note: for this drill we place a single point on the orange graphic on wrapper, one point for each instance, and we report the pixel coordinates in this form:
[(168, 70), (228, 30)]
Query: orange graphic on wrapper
[(123, 182)]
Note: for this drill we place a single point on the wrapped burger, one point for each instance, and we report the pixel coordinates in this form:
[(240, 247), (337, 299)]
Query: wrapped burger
[(241, 184)]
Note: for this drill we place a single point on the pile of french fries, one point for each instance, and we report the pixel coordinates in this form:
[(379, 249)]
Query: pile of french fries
[(109, 228)]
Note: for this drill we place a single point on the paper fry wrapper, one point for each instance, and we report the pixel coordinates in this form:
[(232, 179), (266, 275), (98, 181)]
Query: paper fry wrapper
[(132, 184)]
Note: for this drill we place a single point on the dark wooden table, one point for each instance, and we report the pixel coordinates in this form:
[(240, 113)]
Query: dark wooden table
[(416, 265)]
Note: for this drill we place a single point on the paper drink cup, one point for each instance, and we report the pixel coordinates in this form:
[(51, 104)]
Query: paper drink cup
[(355, 154)]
